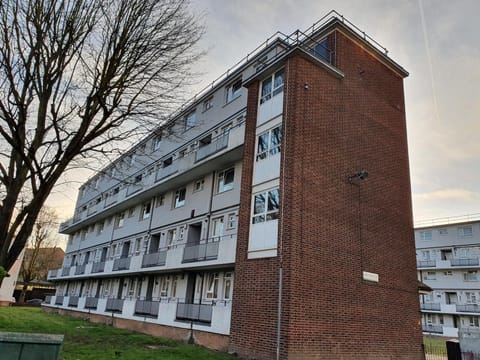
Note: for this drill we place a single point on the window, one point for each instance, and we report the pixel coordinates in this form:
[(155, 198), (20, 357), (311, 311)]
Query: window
[(232, 221), (165, 284), (265, 206), (159, 200), (225, 180), (91, 228), (190, 120), (138, 178), (100, 227), (426, 235), (440, 319), (272, 86), (227, 286), (430, 275), (208, 104), (321, 50), (260, 64), (473, 321), (234, 90), (465, 231), (156, 142), (146, 210), (269, 143), (83, 234), (218, 228), (470, 275), (138, 245), (198, 185), (120, 219), (211, 291), (131, 212), (171, 237), (167, 162), (443, 231), (471, 297), (179, 199), (448, 273)]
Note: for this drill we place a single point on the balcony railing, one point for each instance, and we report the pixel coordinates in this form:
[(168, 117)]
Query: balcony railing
[(154, 259), (437, 329), (426, 263), (473, 308), (91, 302), (80, 269), (112, 199), (121, 264), (464, 262), (59, 300), (73, 301), (194, 312), (430, 306), (146, 307), (114, 305), (200, 252), (66, 271), (215, 146), (134, 188), (98, 267)]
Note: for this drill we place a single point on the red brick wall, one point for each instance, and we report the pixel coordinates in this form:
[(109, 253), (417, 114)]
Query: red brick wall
[(334, 230)]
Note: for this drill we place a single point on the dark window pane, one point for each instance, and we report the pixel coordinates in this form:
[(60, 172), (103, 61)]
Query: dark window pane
[(273, 200), (259, 204)]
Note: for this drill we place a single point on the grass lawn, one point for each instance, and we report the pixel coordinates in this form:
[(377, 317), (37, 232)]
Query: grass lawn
[(85, 340)]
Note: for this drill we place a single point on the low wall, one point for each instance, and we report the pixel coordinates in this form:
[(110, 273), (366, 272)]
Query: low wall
[(208, 340)]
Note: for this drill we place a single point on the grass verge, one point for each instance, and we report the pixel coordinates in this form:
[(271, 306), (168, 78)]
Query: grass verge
[(89, 341)]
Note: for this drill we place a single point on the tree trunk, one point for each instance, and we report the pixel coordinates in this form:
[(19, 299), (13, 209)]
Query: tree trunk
[(23, 294)]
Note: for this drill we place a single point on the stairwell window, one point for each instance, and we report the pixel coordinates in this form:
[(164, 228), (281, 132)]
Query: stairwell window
[(234, 90), (269, 143), (225, 180), (179, 199), (265, 206), (271, 86)]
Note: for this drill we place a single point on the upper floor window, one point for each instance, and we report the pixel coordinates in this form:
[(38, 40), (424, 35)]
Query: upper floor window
[(443, 231), (272, 86), (426, 235), (321, 50), (265, 206), (269, 143), (225, 180), (156, 142), (232, 221), (208, 104), (120, 219), (198, 185), (179, 199), (234, 90), (190, 120), (227, 286), (171, 237), (146, 210), (464, 231), (211, 290), (470, 275)]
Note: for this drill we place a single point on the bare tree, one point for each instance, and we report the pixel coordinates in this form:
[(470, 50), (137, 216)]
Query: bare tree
[(40, 251), (77, 76)]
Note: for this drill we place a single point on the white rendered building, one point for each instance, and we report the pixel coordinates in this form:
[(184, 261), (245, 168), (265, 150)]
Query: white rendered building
[(448, 252)]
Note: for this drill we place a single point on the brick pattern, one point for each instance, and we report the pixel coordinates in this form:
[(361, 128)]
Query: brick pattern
[(334, 230)]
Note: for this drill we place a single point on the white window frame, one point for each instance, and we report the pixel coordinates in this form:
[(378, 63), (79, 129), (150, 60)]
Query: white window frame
[(208, 104), (179, 198), (234, 90), (120, 220), (227, 292), (270, 148), (232, 221), (470, 276), (218, 227), (198, 185), (430, 275), (171, 237), (146, 210), (157, 141), (465, 231), (211, 286), (269, 211), (426, 235), (190, 120), (275, 82), (222, 186)]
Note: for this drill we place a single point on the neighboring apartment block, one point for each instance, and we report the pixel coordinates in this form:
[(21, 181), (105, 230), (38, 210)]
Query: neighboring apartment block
[(448, 255), (245, 222)]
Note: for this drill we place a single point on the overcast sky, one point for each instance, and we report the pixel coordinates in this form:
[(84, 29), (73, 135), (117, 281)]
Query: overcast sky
[(436, 41)]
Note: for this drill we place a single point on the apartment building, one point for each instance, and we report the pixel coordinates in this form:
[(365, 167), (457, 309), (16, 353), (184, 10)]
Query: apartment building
[(246, 222), (448, 252)]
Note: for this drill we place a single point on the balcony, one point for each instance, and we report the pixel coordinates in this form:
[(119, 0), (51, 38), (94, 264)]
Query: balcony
[(167, 171), (147, 308), (464, 262), (98, 267), (59, 300), (66, 271), (73, 301), (121, 264), (91, 303), (194, 312), (80, 269), (435, 329), (200, 252), (215, 146), (110, 200), (430, 306), (426, 263), (471, 308), (114, 305), (154, 259)]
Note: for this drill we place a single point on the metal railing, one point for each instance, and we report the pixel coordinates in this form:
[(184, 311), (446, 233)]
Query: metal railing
[(215, 146), (98, 267), (147, 307), (114, 305), (73, 301), (472, 308), (121, 264), (80, 269), (194, 312), (154, 259), (200, 252), (91, 302), (426, 263), (59, 299), (464, 262), (437, 329), (430, 306)]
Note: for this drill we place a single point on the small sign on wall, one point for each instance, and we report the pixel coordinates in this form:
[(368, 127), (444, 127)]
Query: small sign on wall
[(368, 276)]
